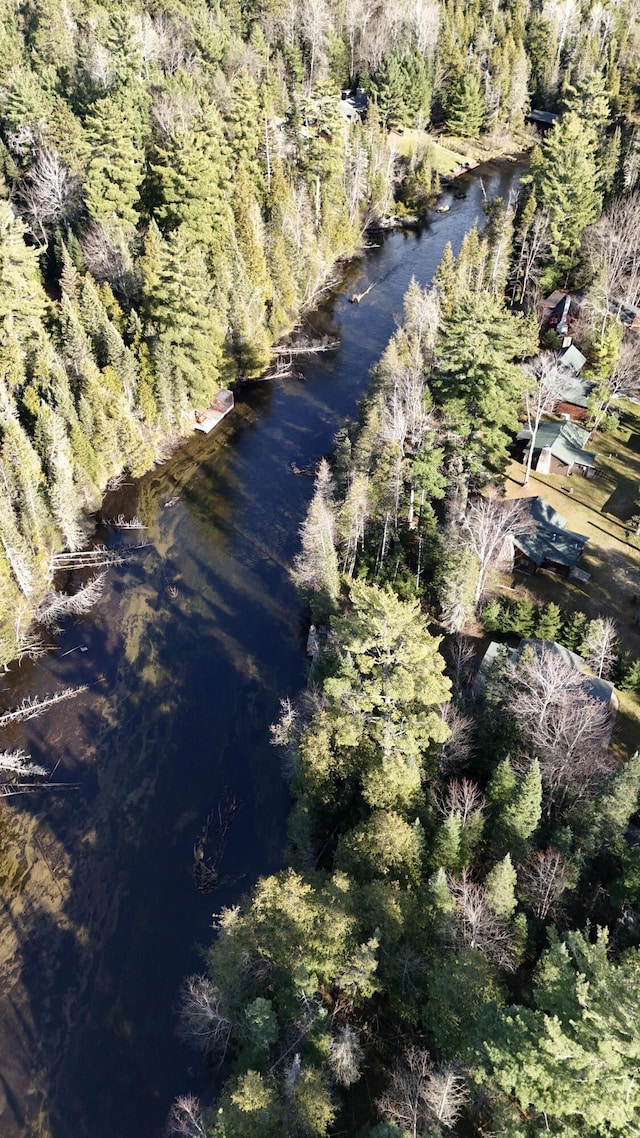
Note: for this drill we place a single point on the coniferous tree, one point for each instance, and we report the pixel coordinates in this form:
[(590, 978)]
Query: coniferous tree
[(465, 109), (115, 167)]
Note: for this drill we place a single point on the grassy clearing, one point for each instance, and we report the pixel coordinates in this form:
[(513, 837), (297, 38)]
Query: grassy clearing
[(443, 159)]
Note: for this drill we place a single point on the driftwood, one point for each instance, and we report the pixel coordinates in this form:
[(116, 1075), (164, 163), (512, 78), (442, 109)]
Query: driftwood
[(33, 706), (307, 349), (124, 523), (358, 296), (96, 557), (206, 870), (56, 605), (8, 790), (303, 471)]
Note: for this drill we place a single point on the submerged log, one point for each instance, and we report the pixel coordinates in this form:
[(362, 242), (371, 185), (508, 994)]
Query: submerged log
[(358, 296)]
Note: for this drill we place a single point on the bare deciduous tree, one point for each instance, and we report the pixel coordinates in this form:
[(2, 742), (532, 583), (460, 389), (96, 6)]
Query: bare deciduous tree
[(345, 1055), (185, 1118), (463, 797), (534, 245), (202, 1021), (352, 521), (625, 380), (478, 925), (488, 523), (455, 750), (544, 380), (421, 1094), (599, 645), (542, 879), (563, 724), (49, 195), (614, 242), (461, 654), (446, 1094)]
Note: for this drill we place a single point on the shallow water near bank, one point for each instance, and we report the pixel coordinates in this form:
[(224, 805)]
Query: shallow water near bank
[(187, 656)]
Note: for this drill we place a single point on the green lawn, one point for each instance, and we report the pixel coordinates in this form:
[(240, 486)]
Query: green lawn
[(442, 159)]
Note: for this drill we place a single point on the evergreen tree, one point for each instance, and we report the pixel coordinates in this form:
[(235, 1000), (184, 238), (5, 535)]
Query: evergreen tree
[(499, 885), (115, 167), (186, 323), (520, 815), (574, 1057), (566, 188), (477, 381), (465, 109), (548, 621), (192, 175)]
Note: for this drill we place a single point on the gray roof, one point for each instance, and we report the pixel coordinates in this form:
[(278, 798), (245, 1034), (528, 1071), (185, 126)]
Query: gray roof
[(595, 688), (566, 442), (574, 390), (546, 117), (551, 540), (572, 357), (601, 690)]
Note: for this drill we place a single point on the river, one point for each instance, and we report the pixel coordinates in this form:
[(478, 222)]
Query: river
[(186, 658)]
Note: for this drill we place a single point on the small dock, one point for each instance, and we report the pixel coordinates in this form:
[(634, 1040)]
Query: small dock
[(220, 406)]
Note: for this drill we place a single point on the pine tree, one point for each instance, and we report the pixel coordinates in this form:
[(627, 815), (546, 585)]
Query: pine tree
[(499, 886), (520, 816), (115, 167), (465, 109), (22, 298), (501, 784), (548, 621), (566, 188), (573, 630), (186, 322), (192, 175), (447, 847)]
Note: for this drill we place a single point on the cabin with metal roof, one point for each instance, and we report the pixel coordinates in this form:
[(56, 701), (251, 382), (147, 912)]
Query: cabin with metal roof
[(559, 448), (544, 119), (595, 688), (546, 543)]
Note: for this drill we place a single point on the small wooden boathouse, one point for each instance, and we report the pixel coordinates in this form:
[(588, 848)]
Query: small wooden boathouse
[(220, 405)]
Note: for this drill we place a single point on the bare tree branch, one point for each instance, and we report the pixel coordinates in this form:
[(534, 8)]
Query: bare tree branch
[(201, 1019)]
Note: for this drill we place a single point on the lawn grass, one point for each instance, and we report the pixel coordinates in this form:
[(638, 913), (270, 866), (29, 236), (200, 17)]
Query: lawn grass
[(442, 159), (626, 733)]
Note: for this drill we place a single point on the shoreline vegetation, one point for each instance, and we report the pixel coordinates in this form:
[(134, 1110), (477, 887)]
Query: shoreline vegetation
[(453, 946)]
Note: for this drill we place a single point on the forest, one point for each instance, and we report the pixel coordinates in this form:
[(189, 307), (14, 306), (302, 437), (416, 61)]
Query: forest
[(453, 946), (178, 181)]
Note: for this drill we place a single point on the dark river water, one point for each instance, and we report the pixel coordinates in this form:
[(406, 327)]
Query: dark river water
[(182, 691)]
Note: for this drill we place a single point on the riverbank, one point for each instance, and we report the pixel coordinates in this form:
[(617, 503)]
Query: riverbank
[(182, 690)]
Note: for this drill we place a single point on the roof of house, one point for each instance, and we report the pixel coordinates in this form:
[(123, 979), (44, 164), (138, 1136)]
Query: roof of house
[(547, 118), (595, 688), (550, 540), (572, 358), (572, 389), (601, 690), (566, 442), (628, 314), (353, 104)]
